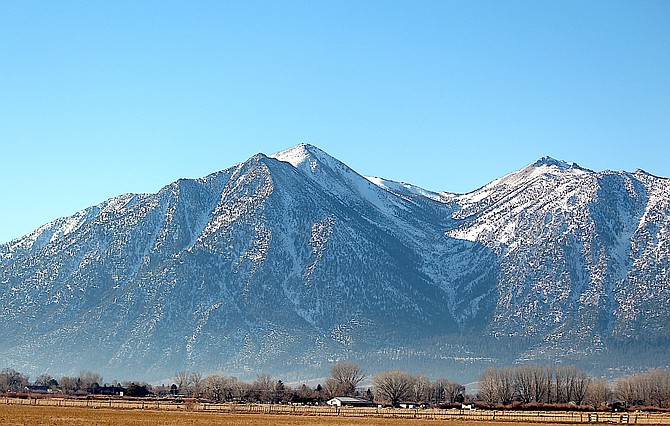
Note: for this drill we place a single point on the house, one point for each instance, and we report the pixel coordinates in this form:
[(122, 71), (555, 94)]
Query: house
[(107, 390), (37, 389), (347, 401)]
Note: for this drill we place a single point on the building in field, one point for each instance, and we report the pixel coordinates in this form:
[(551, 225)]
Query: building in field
[(347, 401)]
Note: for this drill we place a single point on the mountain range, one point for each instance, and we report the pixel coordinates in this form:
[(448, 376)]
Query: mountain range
[(284, 264)]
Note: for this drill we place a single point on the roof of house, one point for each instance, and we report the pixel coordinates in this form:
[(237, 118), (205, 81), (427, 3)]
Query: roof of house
[(351, 400)]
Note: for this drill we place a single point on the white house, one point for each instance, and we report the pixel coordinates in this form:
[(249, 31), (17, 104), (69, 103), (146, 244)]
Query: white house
[(346, 401)]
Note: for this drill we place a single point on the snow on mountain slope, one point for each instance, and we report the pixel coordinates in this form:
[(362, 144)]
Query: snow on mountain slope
[(339, 180), (409, 191), (565, 239), (284, 263)]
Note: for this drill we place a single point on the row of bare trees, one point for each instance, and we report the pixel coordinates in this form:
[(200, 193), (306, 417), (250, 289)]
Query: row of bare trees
[(521, 384), (568, 384), (650, 388), (541, 384), (343, 381), (85, 382), (395, 386), (391, 387), (222, 388)]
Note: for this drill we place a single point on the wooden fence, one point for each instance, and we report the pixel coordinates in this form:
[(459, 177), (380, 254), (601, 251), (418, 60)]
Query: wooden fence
[(567, 417)]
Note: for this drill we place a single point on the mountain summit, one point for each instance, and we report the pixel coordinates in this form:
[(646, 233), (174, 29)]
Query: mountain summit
[(288, 262)]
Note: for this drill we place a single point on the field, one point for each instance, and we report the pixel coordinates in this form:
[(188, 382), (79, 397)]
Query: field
[(26, 415), (94, 413), (18, 415)]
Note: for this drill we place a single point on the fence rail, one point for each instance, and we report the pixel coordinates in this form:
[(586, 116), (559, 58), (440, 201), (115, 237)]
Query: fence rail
[(568, 417)]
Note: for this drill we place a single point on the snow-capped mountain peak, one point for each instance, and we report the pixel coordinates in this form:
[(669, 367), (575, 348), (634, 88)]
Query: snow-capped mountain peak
[(547, 161), (545, 166), (304, 153)]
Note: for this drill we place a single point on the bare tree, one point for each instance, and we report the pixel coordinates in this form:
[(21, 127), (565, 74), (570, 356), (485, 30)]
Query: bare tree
[(598, 393), (657, 383), (12, 381), (437, 391), (505, 385), (488, 391), (541, 382), (195, 381), (420, 388), (578, 384), (454, 392), (393, 386), (628, 390), (69, 385), (524, 386), (559, 386), (444, 390), (216, 388), (332, 388), (262, 388), (345, 378), (89, 380), (240, 389), (182, 380)]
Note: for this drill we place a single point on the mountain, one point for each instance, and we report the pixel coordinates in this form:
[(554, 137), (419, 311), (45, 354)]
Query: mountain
[(286, 263)]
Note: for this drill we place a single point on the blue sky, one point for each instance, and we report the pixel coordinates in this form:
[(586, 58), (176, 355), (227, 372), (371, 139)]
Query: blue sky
[(100, 98)]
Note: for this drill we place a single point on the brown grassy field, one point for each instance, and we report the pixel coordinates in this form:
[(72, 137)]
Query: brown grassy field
[(26, 415), (117, 412)]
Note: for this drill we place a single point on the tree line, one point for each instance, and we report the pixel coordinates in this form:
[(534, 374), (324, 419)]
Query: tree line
[(541, 384), (524, 384), (390, 387), (86, 383), (527, 384)]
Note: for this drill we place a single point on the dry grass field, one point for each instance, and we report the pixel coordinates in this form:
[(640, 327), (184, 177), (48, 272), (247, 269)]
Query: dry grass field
[(53, 415), (27, 415)]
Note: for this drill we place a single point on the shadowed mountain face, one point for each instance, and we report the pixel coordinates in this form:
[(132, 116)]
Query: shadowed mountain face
[(284, 264)]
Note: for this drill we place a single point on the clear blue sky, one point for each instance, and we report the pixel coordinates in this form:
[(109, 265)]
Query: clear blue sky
[(100, 98)]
